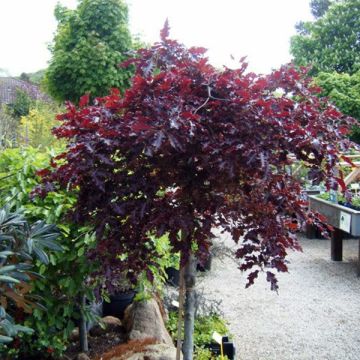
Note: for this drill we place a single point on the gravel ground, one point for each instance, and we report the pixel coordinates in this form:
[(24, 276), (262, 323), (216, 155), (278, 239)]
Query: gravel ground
[(315, 315)]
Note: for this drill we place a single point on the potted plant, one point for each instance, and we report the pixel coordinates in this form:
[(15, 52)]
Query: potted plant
[(205, 263), (123, 295)]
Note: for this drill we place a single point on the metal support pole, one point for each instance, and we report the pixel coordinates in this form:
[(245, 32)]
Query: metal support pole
[(337, 245)]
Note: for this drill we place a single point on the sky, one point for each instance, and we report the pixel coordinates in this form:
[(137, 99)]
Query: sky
[(258, 29)]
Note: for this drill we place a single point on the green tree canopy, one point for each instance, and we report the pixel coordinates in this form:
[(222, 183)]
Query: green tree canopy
[(344, 92), (332, 42), (89, 44), (319, 7)]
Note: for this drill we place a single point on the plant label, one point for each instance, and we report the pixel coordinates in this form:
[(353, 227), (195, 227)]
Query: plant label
[(345, 221), (217, 337)]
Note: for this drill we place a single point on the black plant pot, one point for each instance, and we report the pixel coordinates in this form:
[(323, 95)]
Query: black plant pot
[(173, 276), (118, 303), (206, 265), (229, 350)]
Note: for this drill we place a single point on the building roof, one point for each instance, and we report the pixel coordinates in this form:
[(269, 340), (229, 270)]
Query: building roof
[(9, 86)]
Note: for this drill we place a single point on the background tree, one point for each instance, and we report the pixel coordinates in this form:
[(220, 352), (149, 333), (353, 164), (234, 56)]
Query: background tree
[(331, 46), (34, 78), (89, 44), (21, 104), (189, 148), (24, 77), (319, 7), (344, 92), (330, 43)]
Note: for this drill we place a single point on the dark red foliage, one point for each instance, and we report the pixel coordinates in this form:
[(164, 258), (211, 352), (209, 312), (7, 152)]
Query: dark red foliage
[(189, 148)]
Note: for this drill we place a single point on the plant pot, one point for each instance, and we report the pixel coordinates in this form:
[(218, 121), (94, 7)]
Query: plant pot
[(118, 303), (229, 350), (205, 266), (173, 276)]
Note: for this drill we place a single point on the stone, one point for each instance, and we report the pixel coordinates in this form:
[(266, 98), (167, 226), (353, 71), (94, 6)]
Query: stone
[(143, 320), (111, 324), (138, 352), (82, 356), (155, 352), (64, 357), (74, 336)]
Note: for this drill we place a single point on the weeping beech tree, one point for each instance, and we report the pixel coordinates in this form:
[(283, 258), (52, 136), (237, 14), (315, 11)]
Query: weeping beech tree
[(188, 148)]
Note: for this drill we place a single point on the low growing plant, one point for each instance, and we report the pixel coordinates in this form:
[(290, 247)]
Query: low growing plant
[(204, 327)]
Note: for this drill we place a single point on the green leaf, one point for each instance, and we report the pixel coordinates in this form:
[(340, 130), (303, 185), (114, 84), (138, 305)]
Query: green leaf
[(58, 210), (41, 255), (7, 268), (5, 254), (81, 251), (5, 339), (24, 329), (8, 279)]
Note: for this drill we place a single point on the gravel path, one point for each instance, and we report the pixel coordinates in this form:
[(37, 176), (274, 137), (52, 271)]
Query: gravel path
[(316, 314)]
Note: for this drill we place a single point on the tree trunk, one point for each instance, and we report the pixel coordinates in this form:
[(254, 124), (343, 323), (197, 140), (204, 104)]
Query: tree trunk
[(82, 328), (190, 301), (180, 312)]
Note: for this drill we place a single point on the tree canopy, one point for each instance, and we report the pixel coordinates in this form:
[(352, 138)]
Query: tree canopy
[(189, 147), (319, 7), (89, 44), (344, 92), (331, 42)]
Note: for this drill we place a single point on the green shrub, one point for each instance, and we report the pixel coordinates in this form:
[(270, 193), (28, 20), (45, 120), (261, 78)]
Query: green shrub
[(35, 127), (204, 328), (64, 277), (19, 243), (206, 354), (8, 129), (63, 283), (21, 105)]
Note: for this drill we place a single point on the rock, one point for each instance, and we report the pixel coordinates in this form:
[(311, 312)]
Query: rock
[(143, 320), (64, 357), (82, 356), (74, 336), (111, 323), (155, 352), (144, 349)]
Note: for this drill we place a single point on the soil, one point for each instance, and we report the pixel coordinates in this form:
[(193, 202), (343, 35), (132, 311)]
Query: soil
[(97, 345)]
